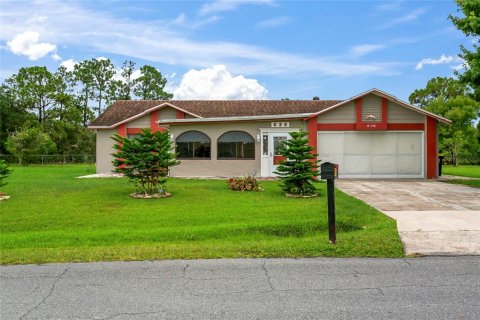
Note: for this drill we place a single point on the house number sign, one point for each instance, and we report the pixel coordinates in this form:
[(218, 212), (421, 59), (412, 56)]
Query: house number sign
[(280, 124)]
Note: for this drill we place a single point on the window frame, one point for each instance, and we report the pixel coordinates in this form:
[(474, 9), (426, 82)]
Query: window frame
[(194, 158), (236, 146)]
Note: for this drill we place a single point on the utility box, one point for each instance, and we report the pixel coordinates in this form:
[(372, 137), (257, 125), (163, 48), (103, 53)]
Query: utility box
[(328, 170)]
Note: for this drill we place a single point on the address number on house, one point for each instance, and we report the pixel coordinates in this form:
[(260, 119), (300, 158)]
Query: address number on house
[(280, 124)]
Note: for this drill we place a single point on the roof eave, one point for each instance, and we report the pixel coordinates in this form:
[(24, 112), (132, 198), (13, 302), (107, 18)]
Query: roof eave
[(233, 119)]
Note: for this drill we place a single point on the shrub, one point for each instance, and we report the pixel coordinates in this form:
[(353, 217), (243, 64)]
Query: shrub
[(145, 160), (298, 170), (243, 184), (4, 172)]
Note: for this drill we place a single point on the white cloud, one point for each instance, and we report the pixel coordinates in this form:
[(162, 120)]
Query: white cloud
[(275, 22), (412, 16), (68, 64), (182, 21), (228, 5), (442, 60), (56, 57), (27, 44), (101, 32), (391, 5), (217, 83), (364, 49)]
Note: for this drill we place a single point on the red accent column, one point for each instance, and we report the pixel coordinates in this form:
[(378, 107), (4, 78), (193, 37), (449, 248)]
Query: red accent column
[(180, 114), (154, 115), (432, 151), (122, 130), (358, 110), (312, 134), (384, 113)]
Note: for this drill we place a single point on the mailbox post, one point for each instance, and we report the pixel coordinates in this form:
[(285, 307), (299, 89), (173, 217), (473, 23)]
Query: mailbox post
[(329, 171)]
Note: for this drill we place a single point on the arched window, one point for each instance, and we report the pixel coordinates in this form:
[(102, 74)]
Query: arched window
[(193, 145), (236, 145)]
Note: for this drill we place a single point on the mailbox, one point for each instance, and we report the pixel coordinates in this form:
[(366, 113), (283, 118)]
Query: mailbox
[(328, 170)]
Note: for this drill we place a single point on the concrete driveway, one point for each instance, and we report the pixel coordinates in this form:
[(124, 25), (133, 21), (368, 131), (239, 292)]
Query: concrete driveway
[(432, 217)]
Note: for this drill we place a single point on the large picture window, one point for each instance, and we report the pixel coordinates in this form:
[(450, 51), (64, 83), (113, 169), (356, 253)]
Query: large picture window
[(236, 145), (193, 145)]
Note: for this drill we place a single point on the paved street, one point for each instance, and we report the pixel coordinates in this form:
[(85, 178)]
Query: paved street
[(322, 288), (432, 217)]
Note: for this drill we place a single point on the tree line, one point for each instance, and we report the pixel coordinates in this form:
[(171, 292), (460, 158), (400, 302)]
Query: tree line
[(458, 99), (43, 112)]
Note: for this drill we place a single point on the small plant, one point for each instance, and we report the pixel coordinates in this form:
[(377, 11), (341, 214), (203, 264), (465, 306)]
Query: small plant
[(145, 160), (248, 183), (4, 173), (298, 170)]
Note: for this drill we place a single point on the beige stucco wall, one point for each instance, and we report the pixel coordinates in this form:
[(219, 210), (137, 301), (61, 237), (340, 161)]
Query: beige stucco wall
[(399, 114), (104, 150), (222, 168), (342, 114), (143, 122)]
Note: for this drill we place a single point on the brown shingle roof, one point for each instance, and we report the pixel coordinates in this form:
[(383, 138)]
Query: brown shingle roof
[(124, 109)]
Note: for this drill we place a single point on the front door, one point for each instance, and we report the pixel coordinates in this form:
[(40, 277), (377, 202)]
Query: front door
[(276, 141)]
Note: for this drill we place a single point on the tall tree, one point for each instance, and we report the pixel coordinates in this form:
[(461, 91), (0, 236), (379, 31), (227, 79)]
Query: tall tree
[(150, 85), (102, 72), (12, 115), (35, 89), (469, 24), (437, 88), (128, 68), (83, 75), (117, 90)]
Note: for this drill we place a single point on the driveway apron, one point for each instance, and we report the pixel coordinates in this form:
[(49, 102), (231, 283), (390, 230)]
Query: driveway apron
[(433, 218)]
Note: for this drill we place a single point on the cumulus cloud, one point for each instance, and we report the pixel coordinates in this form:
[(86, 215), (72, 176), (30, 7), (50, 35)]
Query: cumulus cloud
[(364, 49), (27, 44), (442, 60), (68, 64), (217, 83), (272, 23), (228, 5)]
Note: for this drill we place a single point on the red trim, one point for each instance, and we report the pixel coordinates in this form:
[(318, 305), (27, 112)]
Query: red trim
[(384, 113), (358, 110), (406, 126), (336, 126), (134, 130), (180, 114), (122, 130), (154, 115), (431, 148), (312, 134)]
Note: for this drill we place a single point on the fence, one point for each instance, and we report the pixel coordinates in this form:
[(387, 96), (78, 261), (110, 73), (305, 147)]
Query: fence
[(52, 159)]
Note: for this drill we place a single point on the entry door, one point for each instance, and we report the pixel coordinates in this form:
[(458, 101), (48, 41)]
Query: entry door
[(276, 141)]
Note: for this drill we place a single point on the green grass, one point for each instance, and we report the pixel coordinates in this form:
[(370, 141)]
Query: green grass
[(474, 183), (462, 171), (53, 217)]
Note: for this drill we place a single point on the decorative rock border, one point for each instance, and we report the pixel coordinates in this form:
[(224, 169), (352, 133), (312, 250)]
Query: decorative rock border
[(301, 196), (150, 196)]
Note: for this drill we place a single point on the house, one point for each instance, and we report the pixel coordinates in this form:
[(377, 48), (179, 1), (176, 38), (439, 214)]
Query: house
[(371, 135)]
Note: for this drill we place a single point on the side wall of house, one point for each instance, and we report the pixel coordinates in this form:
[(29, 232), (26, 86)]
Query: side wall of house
[(104, 150)]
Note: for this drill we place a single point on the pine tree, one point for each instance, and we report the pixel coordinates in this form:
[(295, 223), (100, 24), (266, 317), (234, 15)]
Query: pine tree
[(298, 170), (145, 160)]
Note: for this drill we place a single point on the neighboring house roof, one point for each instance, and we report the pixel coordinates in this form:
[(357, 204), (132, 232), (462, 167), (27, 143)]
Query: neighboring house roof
[(124, 110)]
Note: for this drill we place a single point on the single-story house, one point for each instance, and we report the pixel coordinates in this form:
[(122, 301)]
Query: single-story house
[(371, 135)]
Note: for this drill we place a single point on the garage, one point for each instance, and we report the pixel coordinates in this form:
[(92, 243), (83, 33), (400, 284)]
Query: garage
[(374, 154)]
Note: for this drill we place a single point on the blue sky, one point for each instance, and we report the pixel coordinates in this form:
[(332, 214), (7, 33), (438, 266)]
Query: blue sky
[(250, 49)]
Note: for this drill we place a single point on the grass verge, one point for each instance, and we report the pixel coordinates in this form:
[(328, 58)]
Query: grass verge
[(53, 217), (462, 171), (470, 182)]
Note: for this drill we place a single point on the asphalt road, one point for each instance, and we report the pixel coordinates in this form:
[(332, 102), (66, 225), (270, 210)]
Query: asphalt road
[(417, 288)]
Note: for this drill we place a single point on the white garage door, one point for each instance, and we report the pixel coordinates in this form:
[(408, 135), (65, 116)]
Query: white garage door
[(373, 154)]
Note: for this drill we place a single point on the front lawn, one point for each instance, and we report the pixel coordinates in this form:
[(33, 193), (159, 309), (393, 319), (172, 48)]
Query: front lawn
[(462, 171), (53, 217), (474, 183)]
